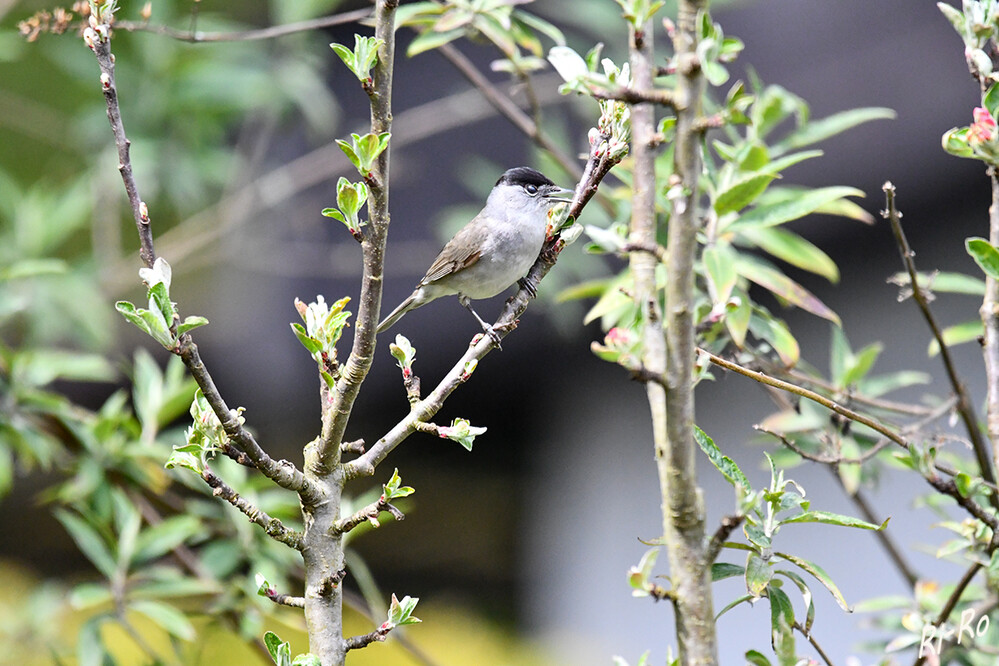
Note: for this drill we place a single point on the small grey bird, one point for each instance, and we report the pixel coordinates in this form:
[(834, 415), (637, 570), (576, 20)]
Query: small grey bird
[(495, 249)]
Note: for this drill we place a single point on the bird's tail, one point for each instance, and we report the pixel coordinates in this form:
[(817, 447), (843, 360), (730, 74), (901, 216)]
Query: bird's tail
[(397, 314)]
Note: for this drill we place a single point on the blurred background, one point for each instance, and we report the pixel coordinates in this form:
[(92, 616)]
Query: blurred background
[(523, 543)]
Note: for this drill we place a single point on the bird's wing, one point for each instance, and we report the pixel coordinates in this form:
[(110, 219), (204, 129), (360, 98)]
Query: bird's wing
[(460, 252)]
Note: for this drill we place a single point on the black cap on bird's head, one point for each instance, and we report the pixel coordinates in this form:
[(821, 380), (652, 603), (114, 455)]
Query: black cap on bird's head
[(524, 176)]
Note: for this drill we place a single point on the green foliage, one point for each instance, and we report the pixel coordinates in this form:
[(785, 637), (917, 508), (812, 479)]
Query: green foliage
[(404, 353), (401, 613), (324, 325), (363, 151), (362, 58), (161, 321), (280, 652), (394, 488), (350, 197), (461, 431), (511, 30)]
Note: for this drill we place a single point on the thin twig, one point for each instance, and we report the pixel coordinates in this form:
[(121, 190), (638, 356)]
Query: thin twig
[(272, 526), (860, 399), (718, 539), (282, 473), (965, 408), (947, 487), (815, 644), (271, 32)]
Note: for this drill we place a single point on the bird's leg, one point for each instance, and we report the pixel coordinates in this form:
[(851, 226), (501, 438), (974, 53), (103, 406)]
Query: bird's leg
[(528, 285), (488, 329)]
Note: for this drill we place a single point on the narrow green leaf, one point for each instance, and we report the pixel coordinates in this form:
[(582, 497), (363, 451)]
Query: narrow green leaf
[(781, 623), (737, 318), (722, 462), (158, 540), (786, 210), (862, 363), (958, 334), (735, 602), (756, 658), (945, 282), (784, 287), (723, 570), (991, 100), (834, 519), (169, 618), (742, 192), (766, 327), (431, 39), (89, 541), (985, 255), (719, 265), (819, 130), (758, 574), (793, 249), (821, 576), (806, 596)]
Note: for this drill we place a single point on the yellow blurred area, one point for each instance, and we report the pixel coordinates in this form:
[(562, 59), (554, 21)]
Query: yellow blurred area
[(450, 635)]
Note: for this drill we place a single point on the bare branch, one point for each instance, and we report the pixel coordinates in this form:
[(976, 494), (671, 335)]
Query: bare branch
[(366, 514), (718, 539), (965, 408), (270, 32)]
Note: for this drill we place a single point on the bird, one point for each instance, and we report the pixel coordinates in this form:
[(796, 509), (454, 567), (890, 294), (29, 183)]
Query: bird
[(493, 251)]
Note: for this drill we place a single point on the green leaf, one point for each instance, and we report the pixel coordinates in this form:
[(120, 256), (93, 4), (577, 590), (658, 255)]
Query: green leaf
[(991, 100), (766, 327), (786, 210), (169, 618), (834, 519), (819, 130), (783, 287), (820, 574), (279, 650), (723, 570), (955, 16), (722, 462), (985, 255), (737, 318), (758, 574), (191, 323), (862, 362), (431, 39), (793, 249), (756, 658), (89, 541), (944, 282), (719, 265), (742, 192), (806, 597), (781, 623), (158, 540), (958, 334)]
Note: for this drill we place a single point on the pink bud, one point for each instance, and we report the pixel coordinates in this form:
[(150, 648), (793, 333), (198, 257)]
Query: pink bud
[(984, 128)]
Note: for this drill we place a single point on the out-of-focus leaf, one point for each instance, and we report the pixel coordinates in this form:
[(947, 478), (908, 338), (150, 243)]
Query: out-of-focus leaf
[(792, 248), (819, 130), (958, 334), (820, 574), (785, 210), (784, 287)]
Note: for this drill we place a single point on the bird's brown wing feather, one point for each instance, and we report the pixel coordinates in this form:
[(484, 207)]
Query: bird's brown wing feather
[(459, 253)]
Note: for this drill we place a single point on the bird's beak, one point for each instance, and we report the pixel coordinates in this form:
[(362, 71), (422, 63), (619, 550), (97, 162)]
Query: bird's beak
[(560, 194)]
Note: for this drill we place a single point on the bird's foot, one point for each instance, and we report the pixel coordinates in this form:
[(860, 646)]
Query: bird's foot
[(491, 333), (528, 285)]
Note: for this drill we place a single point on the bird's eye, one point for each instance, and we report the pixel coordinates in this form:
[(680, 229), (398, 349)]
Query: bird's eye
[(531, 189)]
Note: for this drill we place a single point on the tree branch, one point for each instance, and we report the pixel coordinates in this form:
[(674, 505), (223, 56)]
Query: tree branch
[(683, 506), (269, 32), (965, 408), (424, 410), (272, 526)]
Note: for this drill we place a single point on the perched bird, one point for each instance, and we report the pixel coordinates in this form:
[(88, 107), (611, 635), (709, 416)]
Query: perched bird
[(495, 249)]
